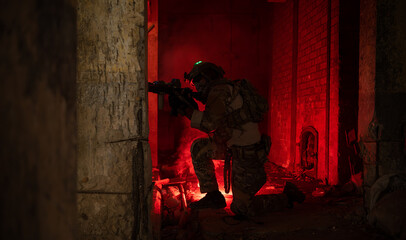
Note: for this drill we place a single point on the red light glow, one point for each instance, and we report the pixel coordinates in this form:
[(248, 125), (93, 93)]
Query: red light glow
[(185, 170)]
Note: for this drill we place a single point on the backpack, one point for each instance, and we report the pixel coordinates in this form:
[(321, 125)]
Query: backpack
[(254, 105)]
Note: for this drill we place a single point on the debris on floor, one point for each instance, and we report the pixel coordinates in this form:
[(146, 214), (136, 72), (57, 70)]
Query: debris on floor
[(328, 212)]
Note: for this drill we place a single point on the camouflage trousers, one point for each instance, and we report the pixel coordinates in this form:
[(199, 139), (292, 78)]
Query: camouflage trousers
[(248, 173)]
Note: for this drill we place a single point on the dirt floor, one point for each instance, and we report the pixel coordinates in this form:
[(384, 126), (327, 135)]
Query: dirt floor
[(341, 218), (338, 214)]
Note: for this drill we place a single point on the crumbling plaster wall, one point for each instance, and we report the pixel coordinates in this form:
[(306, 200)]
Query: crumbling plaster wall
[(114, 167), (37, 126)]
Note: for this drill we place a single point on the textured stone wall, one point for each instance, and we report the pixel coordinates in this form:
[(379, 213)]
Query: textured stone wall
[(114, 167), (37, 123)]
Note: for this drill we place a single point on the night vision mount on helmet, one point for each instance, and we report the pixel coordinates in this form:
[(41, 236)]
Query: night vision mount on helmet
[(209, 71)]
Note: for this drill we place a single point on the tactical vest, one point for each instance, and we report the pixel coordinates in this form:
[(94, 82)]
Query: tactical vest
[(254, 105)]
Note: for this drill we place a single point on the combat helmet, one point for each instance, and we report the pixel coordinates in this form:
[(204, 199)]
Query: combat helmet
[(210, 72)]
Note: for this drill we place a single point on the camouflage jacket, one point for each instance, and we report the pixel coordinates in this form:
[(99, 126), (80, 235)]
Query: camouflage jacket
[(222, 99)]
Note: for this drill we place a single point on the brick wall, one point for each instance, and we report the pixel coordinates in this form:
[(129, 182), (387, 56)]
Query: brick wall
[(310, 87), (334, 93), (280, 90), (312, 73)]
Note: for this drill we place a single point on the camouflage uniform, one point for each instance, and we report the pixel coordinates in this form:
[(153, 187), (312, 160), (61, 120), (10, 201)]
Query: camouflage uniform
[(248, 148)]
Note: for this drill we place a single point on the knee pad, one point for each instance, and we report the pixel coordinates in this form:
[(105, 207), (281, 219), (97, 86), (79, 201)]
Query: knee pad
[(199, 146)]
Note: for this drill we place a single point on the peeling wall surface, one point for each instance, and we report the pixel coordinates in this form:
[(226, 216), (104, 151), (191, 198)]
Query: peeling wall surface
[(37, 109), (113, 150)]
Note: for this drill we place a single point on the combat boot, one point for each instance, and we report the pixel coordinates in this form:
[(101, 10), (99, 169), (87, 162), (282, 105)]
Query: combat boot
[(213, 200), (293, 194)]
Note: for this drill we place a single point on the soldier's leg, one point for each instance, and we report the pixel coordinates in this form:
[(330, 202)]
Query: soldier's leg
[(248, 177), (241, 202), (246, 203), (201, 151), (202, 155)]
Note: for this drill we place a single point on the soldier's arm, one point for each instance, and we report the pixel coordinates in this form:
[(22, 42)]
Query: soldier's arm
[(208, 120)]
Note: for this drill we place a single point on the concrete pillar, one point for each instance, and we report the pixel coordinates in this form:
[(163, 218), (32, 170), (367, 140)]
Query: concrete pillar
[(37, 119), (382, 89), (390, 85), (114, 166)]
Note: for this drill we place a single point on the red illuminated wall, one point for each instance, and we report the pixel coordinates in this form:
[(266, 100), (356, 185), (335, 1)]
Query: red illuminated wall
[(312, 82), (298, 53), (232, 34), (299, 75), (312, 61), (281, 88)]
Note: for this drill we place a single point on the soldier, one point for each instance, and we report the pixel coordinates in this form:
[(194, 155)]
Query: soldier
[(231, 120)]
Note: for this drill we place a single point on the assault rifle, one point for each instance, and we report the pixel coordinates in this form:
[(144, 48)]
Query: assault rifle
[(177, 95)]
